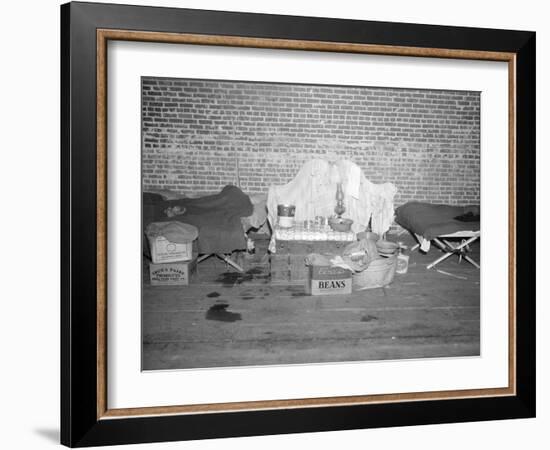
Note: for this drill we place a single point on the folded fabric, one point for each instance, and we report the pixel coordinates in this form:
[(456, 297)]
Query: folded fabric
[(315, 259), (176, 232), (345, 262), (468, 217)]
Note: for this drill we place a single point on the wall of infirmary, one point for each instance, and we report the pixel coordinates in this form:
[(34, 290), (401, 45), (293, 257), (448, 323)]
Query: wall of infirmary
[(426, 142)]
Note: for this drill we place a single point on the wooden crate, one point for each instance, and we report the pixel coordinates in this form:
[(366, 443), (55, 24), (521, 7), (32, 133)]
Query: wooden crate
[(279, 267), (297, 267), (288, 262)]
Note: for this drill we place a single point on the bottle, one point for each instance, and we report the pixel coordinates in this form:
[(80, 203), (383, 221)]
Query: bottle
[(250, 247), (402, 259)]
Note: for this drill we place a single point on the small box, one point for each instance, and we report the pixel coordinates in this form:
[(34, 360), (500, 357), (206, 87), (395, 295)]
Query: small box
[(164, 251), (327, 280), (173, 274)]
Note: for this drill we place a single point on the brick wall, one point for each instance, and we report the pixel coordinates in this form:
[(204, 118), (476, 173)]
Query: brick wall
[(426, 142)]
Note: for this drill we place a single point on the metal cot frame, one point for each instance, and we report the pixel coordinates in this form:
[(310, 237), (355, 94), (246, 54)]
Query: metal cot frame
[(451, 248)]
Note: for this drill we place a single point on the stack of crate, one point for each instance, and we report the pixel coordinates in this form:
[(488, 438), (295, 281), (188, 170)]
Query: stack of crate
[(172, 263), (288, 261)]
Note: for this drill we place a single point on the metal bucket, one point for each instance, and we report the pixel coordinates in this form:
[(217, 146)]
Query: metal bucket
[(380, 272)]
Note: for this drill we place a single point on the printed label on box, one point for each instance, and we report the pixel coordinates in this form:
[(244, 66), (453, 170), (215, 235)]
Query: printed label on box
[(329, 280), (162, 250), (172, 273)]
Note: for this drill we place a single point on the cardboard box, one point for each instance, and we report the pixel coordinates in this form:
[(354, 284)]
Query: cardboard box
[(164, 251), (326, 280), (173, 274)]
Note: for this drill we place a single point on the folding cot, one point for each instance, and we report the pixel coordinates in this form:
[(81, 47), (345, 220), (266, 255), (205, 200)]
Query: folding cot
[(441, 224), (222, 218)]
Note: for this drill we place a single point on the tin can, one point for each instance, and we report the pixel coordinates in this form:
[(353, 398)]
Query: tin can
[(286, 210), (285, 214), (286, 222)]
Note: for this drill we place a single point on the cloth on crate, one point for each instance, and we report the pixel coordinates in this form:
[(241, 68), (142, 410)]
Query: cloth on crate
[(355, 257), (315, 259), (345, 262), (176, 232), (313, 192), (218, 218)]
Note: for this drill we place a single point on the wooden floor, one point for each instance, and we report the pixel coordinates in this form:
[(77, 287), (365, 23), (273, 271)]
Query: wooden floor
[(231, 319)]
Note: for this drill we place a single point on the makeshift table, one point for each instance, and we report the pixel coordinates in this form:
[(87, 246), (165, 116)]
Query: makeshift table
[(290, 246)]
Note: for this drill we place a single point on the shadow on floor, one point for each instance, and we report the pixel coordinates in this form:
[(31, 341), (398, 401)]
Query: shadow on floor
[(49, 434)]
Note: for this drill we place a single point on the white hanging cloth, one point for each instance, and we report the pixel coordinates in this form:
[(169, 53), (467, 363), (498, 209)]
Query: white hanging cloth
[(313, 192)]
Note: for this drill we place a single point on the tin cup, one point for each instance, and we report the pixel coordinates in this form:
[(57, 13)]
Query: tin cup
[(285, 215)]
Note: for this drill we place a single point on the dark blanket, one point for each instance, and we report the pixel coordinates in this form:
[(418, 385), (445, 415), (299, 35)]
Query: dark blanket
[(218, 217), (431, 221)]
